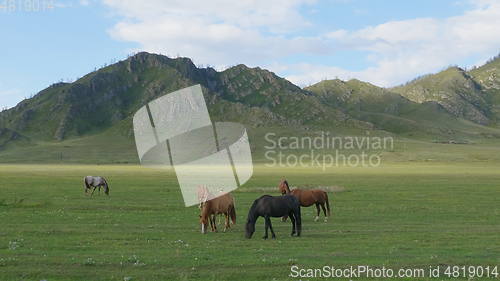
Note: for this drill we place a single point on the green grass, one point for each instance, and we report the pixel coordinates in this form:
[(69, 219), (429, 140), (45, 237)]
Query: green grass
[(114, 146), (397, 215)]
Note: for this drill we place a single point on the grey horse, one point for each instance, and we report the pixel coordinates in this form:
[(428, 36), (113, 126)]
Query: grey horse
[(95, 182)]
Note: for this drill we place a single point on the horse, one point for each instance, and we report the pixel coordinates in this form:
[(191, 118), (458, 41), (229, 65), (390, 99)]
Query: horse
[(203, 196), (307, 197), (95, 182), (274, 206), (223, 204)]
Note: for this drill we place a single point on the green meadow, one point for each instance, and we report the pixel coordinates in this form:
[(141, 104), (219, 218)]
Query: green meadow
[(398, 215)]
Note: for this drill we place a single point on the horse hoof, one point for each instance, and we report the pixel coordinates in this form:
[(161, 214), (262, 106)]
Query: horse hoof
[(326, 220), (274, 237), (265, 237), (316, 218)]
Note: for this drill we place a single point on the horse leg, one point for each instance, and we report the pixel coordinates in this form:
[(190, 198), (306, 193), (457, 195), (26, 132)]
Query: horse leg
[(298, 220), (226, 224), (214, 223), (317, 212), (93, 191), (292, 219), (324, 211), (266, 218), (270, 227), (210, 223)]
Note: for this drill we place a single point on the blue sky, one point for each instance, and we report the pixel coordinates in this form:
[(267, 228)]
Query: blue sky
[(383, 42)]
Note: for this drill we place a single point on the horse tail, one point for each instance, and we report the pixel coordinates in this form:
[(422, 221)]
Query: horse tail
[(106, 186), (232, 213), (327, 203)]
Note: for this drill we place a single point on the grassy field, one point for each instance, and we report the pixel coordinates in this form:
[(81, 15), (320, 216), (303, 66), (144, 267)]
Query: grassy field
[(410, 215)]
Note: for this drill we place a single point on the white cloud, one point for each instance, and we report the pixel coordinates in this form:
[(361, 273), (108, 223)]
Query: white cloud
[(219, 33), (261, 32), (401, 50)]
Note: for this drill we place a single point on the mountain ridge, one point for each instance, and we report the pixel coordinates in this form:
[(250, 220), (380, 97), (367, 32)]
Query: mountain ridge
[(107, 98)]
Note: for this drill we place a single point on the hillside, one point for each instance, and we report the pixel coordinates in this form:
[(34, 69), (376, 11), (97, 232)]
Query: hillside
[(472, 95), (103, 98), (393, 112), (90, 119), (99, 106), (455, 90), (488, 77), (106, 97)]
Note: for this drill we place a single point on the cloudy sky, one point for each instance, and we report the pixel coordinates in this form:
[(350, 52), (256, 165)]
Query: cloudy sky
[(385, 42)]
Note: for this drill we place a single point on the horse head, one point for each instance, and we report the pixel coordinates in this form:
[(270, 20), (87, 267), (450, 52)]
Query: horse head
[(251, 219), (249, 229), (284, 187), (204, 224)]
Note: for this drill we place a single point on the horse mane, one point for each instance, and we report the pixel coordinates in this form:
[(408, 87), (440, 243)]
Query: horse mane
[(287, 185), (251, 213), (284, 183), (204, 210)]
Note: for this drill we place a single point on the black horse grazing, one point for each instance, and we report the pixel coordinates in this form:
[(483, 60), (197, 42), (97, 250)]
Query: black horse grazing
[(274, 206)]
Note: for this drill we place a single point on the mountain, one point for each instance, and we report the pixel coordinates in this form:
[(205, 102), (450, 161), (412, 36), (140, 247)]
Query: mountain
[(455, 90), (488, 77), (391, 111), (91, 117), (98, 108), (104, 98), (472, 95), (386, 110)]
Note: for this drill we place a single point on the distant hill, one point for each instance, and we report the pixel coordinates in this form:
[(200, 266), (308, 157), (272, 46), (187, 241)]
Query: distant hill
[(391, 111), (104, 98), (488, 77), (472, 95), (91, 117)]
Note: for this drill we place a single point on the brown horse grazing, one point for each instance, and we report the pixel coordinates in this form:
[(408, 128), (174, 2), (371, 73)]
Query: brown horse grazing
[(307, 197), (220, 205)]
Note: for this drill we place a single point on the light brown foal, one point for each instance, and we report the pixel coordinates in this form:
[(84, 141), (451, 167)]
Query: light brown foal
[(219, 205)]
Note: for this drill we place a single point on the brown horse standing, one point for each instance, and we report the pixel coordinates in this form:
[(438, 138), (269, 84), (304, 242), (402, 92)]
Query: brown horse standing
[(220, 205), (307, 197)]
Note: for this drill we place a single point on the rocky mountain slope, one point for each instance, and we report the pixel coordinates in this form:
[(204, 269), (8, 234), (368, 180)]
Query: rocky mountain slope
[(101, 104), (104, 98), (469, 95)]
